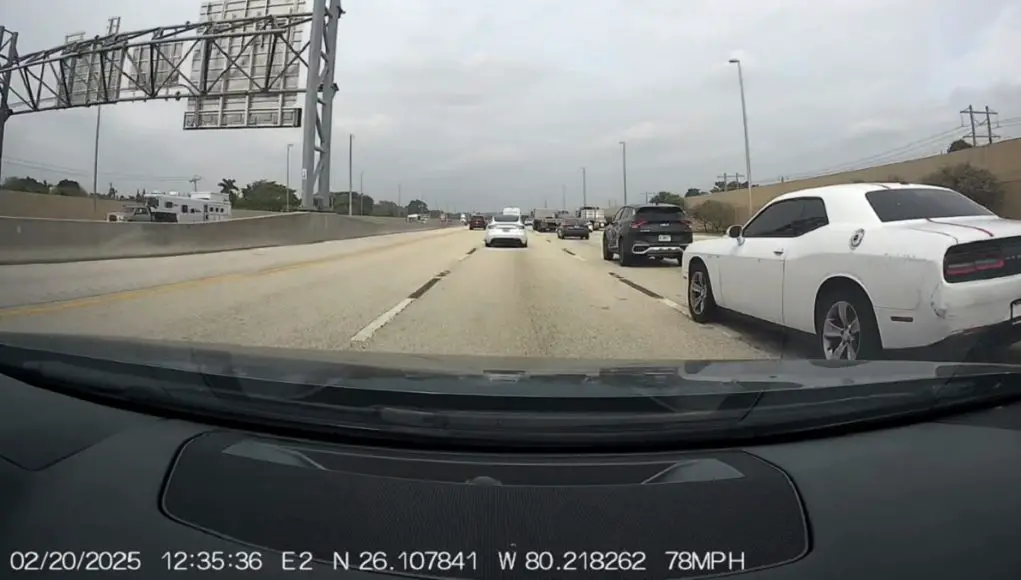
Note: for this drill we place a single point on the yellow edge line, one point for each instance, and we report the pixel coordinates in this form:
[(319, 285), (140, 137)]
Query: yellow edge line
[(124, 295)]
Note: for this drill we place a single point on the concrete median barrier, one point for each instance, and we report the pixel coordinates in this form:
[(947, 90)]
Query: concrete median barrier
[(35, 240)]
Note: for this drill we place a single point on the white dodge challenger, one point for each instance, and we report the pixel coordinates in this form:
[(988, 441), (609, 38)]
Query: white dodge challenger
[(866, 268)]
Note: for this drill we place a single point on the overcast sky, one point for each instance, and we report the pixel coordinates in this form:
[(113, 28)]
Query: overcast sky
[(477, 104)]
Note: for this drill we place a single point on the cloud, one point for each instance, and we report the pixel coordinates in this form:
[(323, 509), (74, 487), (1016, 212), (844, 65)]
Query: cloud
[(486, 105)]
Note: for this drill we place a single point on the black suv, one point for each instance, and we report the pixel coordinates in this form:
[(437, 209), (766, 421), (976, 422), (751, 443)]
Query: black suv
[(652, 230)]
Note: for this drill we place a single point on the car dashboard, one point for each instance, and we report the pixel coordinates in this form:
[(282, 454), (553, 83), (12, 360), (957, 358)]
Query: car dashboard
[(86, 487)]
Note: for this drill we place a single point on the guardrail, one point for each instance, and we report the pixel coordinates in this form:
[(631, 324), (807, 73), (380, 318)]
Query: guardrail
[(39, 240)]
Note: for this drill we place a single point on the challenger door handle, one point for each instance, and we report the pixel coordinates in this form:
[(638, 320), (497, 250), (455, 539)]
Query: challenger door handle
[(778, 252)]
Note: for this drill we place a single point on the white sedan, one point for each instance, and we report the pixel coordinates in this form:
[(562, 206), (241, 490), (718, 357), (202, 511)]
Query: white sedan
[(868, 267), (506, 230)]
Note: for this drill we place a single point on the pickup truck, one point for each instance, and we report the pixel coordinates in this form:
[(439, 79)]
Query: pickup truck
[(131, 213), (545, 220)]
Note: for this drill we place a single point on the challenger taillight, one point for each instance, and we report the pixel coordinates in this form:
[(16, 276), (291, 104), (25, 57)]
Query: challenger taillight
[(972, 265)]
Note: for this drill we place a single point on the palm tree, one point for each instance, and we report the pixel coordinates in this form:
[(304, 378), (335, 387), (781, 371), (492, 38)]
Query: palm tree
[(228, 186)]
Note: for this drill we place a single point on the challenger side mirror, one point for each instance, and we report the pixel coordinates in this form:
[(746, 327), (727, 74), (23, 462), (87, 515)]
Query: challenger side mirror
[(734, 232)]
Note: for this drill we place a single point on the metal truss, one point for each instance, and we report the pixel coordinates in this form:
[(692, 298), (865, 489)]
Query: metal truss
[(42, 80), (8, 52), (150, 65), (318, 127)]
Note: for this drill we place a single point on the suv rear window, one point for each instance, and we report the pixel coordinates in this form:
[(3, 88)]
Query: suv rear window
[(506, 219), (661, 214), (894, 205)]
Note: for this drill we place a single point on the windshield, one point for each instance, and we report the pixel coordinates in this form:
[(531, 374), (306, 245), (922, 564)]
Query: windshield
[(892, 205), (862, 214)]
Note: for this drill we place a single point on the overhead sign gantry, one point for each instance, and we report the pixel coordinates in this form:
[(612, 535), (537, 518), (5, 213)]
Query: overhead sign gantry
[(238, 67)]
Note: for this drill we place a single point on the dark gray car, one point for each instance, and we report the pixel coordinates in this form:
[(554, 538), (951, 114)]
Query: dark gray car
[(573, 228)]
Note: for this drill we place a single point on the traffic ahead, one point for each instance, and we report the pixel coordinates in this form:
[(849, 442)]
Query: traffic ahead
[(843, 267)]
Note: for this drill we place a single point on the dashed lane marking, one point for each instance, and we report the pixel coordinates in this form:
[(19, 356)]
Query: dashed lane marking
[(683, 310), (382, 320), (572, 254)]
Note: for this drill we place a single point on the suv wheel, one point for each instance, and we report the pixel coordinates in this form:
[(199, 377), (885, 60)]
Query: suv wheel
[(627, 259)]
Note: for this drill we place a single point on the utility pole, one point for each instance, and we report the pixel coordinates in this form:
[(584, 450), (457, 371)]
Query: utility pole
[(726, 183), (989, 125), (971, 117), (563, 196), (350, 173), (584, 189), (361, 193), (400, 208)]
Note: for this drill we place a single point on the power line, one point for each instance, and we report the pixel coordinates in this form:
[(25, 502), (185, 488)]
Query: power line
[(882, 157), (975, 124), (898, 154), (40, 166)]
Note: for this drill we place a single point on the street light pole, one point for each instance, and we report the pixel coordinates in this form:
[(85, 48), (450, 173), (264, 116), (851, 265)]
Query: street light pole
[(350, 173), (623, 161), (584, 189), (287, 179), (563, 196), (113, 27), (744, 120), (361, 193)]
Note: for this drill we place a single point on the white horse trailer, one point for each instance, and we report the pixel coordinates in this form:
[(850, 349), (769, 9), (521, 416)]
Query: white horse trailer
[(194, 207)]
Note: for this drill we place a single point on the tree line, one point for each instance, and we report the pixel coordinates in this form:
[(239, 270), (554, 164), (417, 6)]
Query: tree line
[(261, 195), (268, 195), (980, 185)]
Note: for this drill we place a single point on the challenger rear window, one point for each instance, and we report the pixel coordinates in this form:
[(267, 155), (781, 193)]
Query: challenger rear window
[(894, 205)]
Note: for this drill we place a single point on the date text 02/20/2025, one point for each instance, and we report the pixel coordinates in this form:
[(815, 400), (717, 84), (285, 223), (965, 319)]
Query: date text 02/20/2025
[(529, 560)]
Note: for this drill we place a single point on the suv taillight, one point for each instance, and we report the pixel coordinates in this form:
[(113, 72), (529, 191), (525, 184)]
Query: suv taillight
[(973, 265), (637, 224)]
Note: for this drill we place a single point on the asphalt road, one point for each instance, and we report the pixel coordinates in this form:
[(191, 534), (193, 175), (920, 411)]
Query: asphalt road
[(437, 292)]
